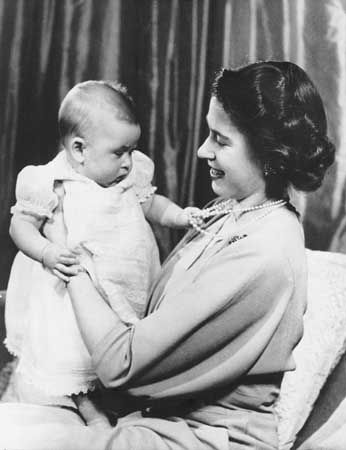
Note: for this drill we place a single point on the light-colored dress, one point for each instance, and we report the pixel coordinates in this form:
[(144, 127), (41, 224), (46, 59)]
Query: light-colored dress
[(110, 224), (203, 368)]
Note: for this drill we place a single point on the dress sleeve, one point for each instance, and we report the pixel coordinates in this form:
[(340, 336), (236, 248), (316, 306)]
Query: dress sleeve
[(142, 175), (209, 334), (35, 194)]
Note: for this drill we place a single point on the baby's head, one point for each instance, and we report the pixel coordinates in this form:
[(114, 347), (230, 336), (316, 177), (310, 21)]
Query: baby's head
[(99, 130)]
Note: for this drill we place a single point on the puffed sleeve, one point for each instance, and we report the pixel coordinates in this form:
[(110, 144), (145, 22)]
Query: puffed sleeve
[(142, 175), (209, 334), (35, 194)]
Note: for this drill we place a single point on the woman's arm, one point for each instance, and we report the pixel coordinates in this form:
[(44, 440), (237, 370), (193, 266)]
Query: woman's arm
[(209, 333), (94, 316)]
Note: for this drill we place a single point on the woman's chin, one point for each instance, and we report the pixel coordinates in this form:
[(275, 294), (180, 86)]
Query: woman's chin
[(219, 188)]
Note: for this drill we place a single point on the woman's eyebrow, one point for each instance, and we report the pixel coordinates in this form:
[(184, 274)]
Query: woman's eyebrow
[(222, 136)]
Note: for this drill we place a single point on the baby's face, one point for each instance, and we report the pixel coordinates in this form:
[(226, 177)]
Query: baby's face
[(108, 151)]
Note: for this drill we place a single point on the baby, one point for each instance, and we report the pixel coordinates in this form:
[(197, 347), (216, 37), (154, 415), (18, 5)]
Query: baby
[(101, 186)]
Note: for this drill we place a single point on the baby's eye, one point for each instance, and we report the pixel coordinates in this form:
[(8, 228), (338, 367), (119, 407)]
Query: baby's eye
[(118, 153)]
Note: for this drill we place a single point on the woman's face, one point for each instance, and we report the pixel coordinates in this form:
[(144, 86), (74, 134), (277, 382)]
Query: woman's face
[(234, 171)]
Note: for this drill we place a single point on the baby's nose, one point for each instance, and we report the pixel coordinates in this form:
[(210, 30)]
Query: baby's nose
[(126, 160)]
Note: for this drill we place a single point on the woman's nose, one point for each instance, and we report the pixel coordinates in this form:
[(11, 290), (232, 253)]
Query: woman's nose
[(205, 151)]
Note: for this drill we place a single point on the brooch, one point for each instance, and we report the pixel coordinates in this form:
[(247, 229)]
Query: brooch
[(236, 238)]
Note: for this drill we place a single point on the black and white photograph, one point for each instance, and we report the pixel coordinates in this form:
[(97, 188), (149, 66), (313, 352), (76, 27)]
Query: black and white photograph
[(173, 225)]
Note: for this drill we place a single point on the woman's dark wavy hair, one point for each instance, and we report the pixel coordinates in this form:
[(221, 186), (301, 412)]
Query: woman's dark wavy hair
[(279, 110)]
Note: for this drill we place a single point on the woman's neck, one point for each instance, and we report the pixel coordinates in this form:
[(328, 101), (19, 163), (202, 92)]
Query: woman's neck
[(255, 199)]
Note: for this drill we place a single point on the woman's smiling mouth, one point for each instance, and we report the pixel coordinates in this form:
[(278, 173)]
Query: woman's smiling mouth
[(215, 173)]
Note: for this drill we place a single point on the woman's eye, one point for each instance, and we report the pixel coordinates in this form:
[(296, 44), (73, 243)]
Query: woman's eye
[(216, 138), (219, 142)]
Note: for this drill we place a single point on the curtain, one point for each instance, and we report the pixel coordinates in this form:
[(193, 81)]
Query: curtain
[(166, 52)]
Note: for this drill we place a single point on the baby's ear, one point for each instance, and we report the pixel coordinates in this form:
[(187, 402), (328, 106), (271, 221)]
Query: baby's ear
[(77, 147)]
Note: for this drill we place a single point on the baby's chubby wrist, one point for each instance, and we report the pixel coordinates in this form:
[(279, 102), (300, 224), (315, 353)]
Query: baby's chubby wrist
[(177, 217), (47, 252), (185, 215)]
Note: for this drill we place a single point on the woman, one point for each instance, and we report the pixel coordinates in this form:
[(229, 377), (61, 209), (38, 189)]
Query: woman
[(203, 369)]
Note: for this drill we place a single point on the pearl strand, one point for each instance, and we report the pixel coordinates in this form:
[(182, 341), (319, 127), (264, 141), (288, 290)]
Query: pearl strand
[(196, 220)]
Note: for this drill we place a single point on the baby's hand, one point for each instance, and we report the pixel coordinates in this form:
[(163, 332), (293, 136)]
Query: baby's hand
[(184, 218), (61, 261)]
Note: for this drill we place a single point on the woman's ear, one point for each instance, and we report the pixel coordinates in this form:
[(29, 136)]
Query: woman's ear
[(77, 149)]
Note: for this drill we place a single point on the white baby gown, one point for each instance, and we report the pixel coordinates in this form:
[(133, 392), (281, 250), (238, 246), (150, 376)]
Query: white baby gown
[(110, 224)]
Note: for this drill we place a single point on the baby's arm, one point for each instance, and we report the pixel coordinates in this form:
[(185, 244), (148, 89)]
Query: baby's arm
[(25, 232), (156, 208), (161, 210)]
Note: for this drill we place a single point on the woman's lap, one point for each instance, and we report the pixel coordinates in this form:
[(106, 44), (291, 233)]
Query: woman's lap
[(31, 427), (152, 433)]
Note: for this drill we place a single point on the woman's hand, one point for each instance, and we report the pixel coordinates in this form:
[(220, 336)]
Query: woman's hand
[(92, 416), (61, 261)]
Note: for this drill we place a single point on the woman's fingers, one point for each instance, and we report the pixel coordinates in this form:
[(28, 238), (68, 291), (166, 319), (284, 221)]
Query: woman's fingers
[(90, 413), (64, 273), (68, 260), (61, 276), (67, 270)]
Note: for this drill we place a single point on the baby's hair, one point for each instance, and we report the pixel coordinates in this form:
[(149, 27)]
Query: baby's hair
[(77, 108)]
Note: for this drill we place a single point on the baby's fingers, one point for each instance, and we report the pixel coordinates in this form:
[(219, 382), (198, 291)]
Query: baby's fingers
[(193, 210), (68, 253)]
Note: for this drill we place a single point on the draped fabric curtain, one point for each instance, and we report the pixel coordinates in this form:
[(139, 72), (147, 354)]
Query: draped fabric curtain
[(166, 52)]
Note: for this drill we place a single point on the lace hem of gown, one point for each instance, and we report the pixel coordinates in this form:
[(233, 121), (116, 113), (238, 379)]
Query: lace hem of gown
[(11, 347), (78, 381)]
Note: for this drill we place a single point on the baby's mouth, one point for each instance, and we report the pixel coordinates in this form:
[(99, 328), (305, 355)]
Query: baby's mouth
[(115, 181), (215, 173), (120, 178)]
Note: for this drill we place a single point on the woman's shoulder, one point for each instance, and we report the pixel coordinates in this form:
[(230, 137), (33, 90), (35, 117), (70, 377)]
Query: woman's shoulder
[(280, 240), (271, 244), (286, 227)]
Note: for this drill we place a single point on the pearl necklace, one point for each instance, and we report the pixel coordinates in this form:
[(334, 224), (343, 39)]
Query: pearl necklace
[(227, 207)]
